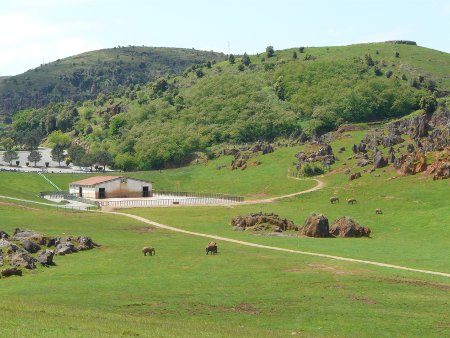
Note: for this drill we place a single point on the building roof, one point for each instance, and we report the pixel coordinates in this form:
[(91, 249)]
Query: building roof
[(95, 180), (101, 179)]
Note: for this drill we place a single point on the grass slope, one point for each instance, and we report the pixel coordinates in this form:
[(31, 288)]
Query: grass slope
[(115, 291)]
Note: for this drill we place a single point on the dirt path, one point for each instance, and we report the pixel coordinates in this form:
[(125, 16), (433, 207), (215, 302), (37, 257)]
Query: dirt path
[(225, 239), (320, 185)]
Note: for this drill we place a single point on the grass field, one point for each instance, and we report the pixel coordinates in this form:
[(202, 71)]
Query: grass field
[(243, 291), (115, 291)]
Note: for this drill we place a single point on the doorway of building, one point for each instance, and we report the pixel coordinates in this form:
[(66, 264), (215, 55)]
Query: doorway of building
[(145, 192), (101, 193), (80, 192)]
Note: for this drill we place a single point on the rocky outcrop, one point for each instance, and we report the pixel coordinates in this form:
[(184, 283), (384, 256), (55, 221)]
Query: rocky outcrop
[(45, 257), (347, 227), (22, 259), (379, 161), (315, 226), (262, 221), (3, 234), (86, 243), (30, 246), (414, 127), (23, 250), (411, 164), (324, 155), (11, 272), (354, 176)]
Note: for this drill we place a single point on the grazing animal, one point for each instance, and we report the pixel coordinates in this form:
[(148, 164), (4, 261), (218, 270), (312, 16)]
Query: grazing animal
[(351, 201), (378, 211), (211, 248), (148, 250), (334, 199)]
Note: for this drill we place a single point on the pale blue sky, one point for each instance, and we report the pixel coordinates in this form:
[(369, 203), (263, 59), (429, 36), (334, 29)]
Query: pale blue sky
[(37, 31)]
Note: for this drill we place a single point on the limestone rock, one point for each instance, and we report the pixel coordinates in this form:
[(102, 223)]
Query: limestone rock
[(30, 246), (347, 227), (315, 226), (45, 257), (261, 221), (22, 259)]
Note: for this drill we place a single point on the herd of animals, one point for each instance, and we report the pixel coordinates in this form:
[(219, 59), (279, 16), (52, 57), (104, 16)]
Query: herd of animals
[(210, 248), (335, 199)]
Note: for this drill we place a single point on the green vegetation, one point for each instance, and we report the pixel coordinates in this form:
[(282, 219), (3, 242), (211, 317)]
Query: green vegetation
[(161, 124), (242, 291), (90, 74)]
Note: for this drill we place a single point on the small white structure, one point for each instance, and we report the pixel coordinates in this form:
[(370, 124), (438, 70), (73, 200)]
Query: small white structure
[(99, 187)]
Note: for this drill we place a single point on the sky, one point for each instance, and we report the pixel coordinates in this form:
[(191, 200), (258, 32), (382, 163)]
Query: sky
[(33, 32)]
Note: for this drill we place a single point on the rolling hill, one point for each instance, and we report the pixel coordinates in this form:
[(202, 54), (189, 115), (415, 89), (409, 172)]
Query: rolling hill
[(84, 76), (284, 97)]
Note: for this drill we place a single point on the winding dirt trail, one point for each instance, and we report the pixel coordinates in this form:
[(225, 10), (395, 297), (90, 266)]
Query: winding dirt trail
[(320, 185), (230, 240)]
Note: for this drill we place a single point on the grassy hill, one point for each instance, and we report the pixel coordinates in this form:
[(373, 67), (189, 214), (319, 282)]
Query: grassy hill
[(242, 291), (84, 76), (278, 98)]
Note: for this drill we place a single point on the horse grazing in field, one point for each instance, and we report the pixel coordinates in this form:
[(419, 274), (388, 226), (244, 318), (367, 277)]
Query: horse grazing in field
[(148, 250), (334, 199), (378, 211), (211, 248), (351, 201)]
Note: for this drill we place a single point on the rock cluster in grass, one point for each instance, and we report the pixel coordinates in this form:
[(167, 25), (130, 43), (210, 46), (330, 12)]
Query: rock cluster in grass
[(26, 249), (244, 153), (262, 222), (324, 156), (316, 225)]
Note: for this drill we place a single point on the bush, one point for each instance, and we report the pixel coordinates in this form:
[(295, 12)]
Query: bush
[(270, 51), (241, 67), (231, 59), (428, 103), (301, 49), (389, 73), (309, 170)]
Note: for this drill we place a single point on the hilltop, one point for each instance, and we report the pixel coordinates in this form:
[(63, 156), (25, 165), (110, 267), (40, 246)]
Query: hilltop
[(283, 96), (84, 76)]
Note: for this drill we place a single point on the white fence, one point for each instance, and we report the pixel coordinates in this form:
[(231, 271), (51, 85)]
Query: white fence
[(164, 202)]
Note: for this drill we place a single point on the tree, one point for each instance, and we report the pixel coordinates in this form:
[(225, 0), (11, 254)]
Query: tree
[(59, 138), (231, 59), (9, 156), (369, 60), (270, 52), (301, 49), (160, 86), (8, 143), (57, 154), (294, 55), (279, 89), (34, 156), (103, 157), (246, 59), (199, 73), (241, 67), (428, 103), (76, 153)]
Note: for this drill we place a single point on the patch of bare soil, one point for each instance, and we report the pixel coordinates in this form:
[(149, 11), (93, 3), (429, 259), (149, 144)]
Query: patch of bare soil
[(274, 234), (240, 308), (14, 205), (417, 282), (335, 270), (146, 229), (362, 299)]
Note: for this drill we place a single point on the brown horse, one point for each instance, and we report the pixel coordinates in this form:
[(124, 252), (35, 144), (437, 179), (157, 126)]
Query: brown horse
[(148, 250)]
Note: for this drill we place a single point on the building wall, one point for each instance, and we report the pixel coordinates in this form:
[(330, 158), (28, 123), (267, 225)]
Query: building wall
[(129, 188), (88, 191), (114, 189)]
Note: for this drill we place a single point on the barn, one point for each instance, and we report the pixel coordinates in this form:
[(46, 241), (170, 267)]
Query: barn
[(99, 187)]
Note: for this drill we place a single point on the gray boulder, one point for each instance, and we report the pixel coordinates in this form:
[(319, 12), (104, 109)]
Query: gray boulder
[(1, 257), (379, 161), (3, 234), (45, 257), (65, 248), (30, 246), (85, 243), (25, 234)]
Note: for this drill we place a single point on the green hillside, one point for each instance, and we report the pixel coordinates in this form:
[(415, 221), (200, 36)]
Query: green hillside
[(277, 98), (84, 76)]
